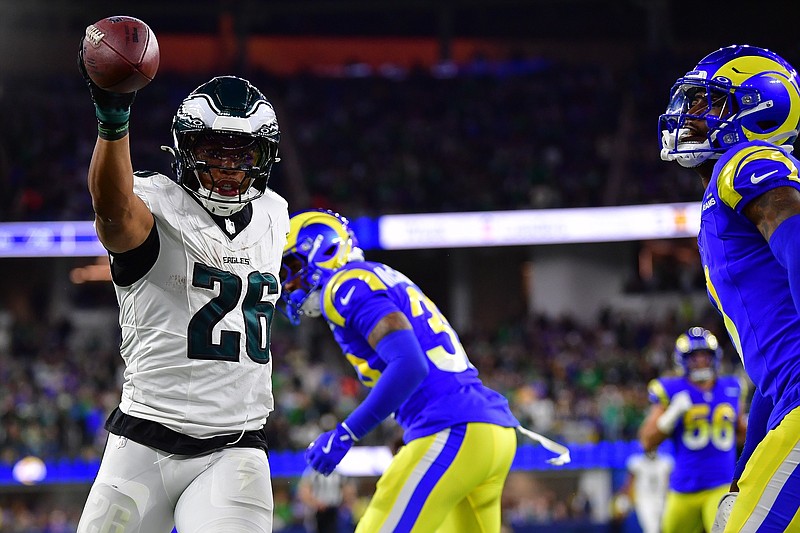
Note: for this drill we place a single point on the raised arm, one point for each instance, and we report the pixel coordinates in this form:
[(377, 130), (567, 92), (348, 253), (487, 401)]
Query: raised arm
[(122, 220)]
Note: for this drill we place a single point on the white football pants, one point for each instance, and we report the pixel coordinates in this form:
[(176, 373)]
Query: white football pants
[(143, 490)]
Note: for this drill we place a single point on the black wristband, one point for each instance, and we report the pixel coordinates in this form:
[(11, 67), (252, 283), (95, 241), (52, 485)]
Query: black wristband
[(112, 132)]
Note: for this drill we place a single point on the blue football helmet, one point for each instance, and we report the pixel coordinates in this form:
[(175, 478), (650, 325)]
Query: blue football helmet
[(754, 92), (318, 244), (233, 115), (694, 340)]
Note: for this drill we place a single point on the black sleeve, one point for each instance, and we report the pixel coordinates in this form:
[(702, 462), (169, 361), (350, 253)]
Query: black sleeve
[(129, 267)]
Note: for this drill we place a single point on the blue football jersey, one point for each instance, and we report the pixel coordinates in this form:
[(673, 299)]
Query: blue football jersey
[(704, 440), (357, 297), (745, 282)]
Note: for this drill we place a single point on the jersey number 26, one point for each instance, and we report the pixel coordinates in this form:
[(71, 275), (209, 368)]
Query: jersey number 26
[(257, 315)]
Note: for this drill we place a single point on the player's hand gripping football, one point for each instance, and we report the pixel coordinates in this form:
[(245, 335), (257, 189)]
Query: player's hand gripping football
[(327, 451), (113, 110)]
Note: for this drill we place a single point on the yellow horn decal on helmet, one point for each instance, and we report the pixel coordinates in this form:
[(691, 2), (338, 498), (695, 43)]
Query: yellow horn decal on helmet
[(301, 220), (683, 343), (741, 69), (344, 248), (793, 118), (296, 223), (712, 341)]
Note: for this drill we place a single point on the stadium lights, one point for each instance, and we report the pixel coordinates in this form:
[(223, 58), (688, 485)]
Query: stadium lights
[(418, 231), (542, 226)]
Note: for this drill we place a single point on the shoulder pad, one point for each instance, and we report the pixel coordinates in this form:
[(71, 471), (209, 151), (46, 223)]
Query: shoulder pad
[(345, 289), (754, 170), (658, 392)]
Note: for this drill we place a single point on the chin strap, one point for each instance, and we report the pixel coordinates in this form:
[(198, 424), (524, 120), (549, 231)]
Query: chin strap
[(690, 159), (695, 158)]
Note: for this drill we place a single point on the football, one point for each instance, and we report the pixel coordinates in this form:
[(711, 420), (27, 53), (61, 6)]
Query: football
[(120, 54)]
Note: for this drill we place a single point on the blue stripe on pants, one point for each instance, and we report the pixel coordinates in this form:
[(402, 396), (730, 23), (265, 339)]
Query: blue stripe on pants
[(432, 476), (785, 505)]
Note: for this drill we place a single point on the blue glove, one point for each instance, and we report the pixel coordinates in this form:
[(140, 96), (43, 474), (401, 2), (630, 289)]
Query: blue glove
[(329, 448)]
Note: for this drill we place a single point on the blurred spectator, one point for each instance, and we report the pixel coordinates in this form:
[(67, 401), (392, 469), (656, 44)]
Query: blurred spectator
[(323, 498)]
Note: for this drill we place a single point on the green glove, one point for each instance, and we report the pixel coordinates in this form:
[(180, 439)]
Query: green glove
[(113, 110)]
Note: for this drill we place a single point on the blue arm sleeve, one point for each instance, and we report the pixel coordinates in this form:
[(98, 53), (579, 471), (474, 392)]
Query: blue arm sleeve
[(406, 368), (786, 247), (760, 409)]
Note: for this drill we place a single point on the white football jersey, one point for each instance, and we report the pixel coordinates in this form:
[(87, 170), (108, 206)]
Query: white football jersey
[(196, 326), (651, 476)]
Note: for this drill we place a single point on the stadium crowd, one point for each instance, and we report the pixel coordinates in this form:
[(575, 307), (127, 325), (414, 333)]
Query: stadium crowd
[(525, 133)]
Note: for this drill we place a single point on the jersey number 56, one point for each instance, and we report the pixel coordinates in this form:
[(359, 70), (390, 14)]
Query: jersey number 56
[(701, 426)]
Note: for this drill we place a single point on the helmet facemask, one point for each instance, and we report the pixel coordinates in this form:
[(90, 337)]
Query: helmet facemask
[(691, 103), (225, 171), (305, 299)]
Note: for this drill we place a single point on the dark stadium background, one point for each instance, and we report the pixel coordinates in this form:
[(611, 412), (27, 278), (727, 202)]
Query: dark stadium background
[(641, 46)]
